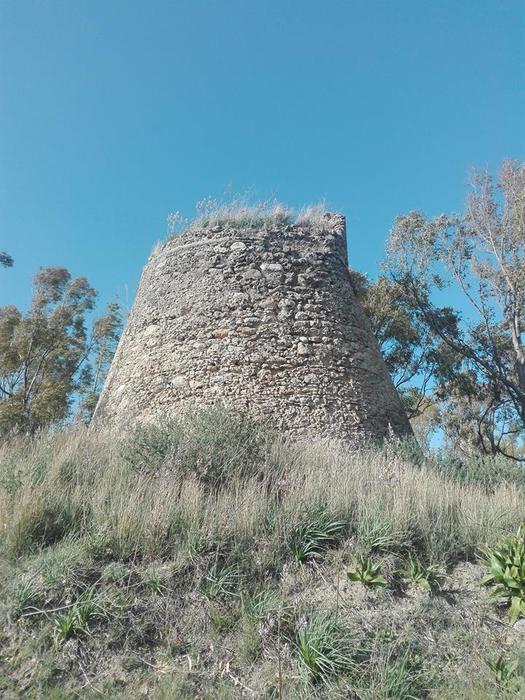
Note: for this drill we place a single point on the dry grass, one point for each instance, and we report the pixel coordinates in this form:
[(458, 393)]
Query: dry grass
[(82, 483), (184, 541), (241, 212)]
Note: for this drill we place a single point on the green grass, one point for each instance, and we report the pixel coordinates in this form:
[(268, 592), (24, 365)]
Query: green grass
[(324, 649), (207, 556)]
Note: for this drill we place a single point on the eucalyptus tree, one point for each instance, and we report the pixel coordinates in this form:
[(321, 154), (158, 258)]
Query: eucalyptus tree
[(46, 354), (482, 253)]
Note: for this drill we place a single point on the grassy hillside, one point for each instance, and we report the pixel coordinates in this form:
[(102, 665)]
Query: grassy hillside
[(209, 559)]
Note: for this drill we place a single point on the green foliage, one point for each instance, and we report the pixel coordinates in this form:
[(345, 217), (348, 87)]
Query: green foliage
[(66, 627), (506, 672), (377, 533), (105, 336), (75, 622), (155, 581), (139, 591), (264, 604), (26, 593), (318, 532), (397, 674), (43, 524), (148, 446), (114, 572), (44, 354), (221, 582), (324, 648), (506, 571), (488, 470), (427, 576), (476, 379), (367, 572)]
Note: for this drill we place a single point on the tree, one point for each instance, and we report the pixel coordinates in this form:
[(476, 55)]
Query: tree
[(482, 251), (411, 352), (104, 340), (6, 260), (45, 354)]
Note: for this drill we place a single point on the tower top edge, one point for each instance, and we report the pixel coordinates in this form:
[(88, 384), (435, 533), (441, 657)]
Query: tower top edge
[(314, 228)]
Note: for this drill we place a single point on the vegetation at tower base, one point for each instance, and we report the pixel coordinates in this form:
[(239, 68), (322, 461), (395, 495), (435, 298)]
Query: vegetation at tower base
[(164, 563), (258, 313)]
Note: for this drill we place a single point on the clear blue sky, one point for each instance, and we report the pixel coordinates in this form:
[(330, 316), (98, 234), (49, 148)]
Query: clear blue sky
[(115, 112)]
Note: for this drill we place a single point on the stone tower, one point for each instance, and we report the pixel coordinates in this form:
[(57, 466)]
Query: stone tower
[(262, 319)]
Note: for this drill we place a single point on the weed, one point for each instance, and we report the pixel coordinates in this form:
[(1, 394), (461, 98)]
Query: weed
[(114, 572), (26, 593), (84, 611), (221, 583), (506, 570), (155, 584), (41, 524), (223, 618), (505, 672), (396, 675), (367, 572), (427, 576), (376, 534), (315, 535), (148, 446), (263, 605), (75, 622), (324, 649), (66, 626)]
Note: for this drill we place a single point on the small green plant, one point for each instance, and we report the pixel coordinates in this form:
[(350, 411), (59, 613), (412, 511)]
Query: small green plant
[(66, 626), (148, 447), (25, 594), (397, 674), (505, 672), (84, 612), (506, 571), (324, 649), (367, 572), (315, 536), (374, 533), (221, 583), (75, 622), (155, 580), (263, 605), (427, 576)]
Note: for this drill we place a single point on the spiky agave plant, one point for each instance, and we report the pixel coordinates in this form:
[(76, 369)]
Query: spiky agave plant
[(427, 576), (506, 571), (367, 572)]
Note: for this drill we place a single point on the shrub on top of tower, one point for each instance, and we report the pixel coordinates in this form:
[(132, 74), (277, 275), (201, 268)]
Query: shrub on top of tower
[(241, 213)]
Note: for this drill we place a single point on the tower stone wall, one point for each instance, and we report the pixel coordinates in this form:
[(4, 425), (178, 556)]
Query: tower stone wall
[(261, 319)]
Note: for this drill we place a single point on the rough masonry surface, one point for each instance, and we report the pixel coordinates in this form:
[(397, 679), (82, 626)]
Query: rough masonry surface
[(260, 319)]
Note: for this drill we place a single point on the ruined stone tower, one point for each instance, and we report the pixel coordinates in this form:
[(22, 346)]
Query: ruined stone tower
[(261, 318)]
